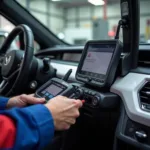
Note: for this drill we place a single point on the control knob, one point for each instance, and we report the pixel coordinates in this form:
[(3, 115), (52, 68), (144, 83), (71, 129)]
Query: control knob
[(78, 93), (96, 100)]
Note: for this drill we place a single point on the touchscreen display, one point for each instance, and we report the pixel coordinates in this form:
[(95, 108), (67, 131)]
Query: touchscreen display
[(97, 59), (51, 91)]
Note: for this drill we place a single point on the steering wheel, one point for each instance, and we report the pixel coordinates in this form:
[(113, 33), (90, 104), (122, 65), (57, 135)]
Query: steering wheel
[(16, 63)]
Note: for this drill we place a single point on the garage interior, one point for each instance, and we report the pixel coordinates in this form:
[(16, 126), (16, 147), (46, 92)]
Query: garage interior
[(77, 21)]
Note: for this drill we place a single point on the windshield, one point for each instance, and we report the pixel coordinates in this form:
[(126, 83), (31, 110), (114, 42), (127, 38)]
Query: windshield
[(77, 21)]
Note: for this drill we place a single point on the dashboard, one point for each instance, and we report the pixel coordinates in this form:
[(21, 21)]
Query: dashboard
[(127, 88), (97, 67), (73, 53)]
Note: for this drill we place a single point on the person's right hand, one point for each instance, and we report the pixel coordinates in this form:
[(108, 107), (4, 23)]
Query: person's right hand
[(64, 111)]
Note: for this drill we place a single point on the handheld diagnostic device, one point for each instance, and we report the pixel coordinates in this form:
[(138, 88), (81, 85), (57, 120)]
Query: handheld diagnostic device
[(53, 88)]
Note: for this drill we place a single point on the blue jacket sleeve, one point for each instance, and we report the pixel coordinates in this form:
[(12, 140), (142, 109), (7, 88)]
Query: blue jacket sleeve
[(3, 102), (35, 128)]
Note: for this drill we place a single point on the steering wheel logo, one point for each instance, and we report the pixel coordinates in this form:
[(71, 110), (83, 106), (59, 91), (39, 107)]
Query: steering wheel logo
[(7, 60)]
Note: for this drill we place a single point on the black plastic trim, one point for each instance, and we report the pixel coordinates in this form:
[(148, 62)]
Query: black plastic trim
[(58, 50), (120, 130), (77, 49)]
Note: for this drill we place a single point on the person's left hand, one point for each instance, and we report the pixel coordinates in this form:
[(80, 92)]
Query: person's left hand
[(24, 100)]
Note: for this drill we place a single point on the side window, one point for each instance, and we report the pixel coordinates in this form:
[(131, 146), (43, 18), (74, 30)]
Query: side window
[(5, 28)]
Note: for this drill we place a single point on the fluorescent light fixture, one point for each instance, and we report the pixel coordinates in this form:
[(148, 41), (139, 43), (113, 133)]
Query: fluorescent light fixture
[(96, 2), (56, 0)]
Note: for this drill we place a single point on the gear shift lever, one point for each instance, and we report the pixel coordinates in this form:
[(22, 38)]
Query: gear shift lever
[(46, 65)]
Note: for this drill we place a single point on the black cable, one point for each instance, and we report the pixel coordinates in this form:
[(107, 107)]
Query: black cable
[(120, 23), (118, 29)]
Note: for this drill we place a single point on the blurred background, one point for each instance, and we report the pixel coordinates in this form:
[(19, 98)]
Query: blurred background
[(76, 21)]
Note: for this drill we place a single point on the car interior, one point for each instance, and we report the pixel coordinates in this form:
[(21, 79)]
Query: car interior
[(112, 76)]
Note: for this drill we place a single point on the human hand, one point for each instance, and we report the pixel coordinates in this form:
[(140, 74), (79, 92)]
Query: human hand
[(64, 111), (24, 100)]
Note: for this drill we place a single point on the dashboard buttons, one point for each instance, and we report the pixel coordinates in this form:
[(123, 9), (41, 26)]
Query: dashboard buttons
[(90, 97), (95, 101), (141, 135)]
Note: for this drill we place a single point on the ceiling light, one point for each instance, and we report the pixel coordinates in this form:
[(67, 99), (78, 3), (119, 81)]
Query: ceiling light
[(56, 0), (96, 2)]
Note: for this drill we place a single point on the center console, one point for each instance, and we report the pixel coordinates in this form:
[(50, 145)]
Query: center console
[(95, 74)]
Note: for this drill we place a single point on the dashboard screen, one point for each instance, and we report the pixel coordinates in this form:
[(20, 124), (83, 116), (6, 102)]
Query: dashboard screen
[(99, 62), (51, 91), (97, 59)]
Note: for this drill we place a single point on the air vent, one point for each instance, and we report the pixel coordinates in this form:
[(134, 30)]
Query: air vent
[(144, 95)]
